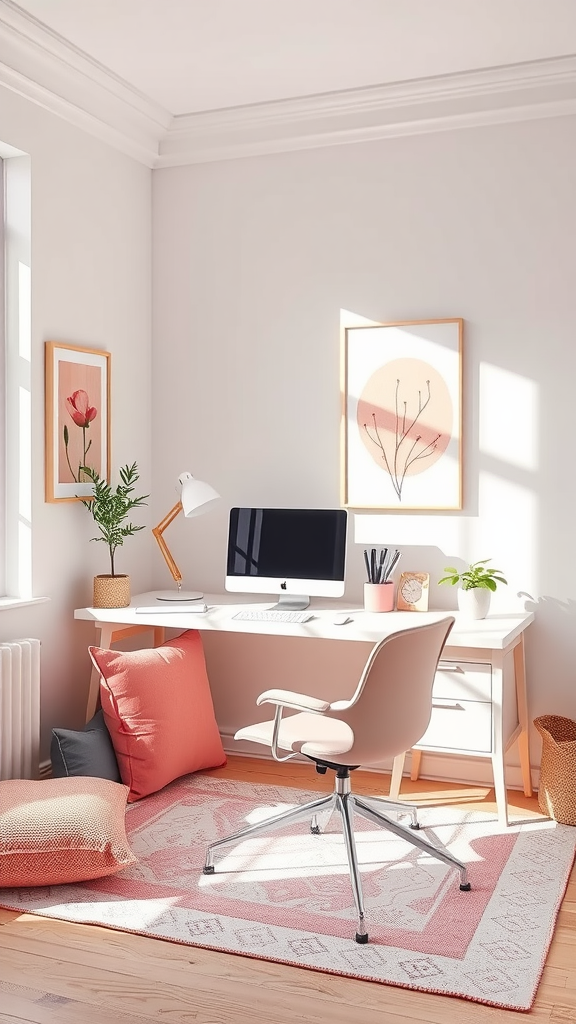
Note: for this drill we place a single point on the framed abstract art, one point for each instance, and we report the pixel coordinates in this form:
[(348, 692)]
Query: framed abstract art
[(402, 416), (77, 419)]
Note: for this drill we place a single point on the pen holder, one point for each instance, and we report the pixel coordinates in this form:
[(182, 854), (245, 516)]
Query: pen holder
[(378, 597)]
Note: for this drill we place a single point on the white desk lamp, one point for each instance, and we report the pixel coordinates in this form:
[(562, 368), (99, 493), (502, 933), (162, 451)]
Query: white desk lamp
[(196, 498)]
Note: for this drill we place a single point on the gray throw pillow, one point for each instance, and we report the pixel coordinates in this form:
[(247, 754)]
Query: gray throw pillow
[(85, 752)]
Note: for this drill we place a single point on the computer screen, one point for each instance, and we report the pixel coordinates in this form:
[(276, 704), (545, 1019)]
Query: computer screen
[(295, 553)]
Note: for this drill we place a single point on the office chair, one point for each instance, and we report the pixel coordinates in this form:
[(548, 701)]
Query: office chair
[(388, 713)]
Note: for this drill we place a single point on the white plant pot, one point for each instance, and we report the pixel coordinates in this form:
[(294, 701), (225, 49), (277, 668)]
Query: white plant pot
[(475, 603)]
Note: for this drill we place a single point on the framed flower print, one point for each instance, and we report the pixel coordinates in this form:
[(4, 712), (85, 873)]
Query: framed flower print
[(77, 419)]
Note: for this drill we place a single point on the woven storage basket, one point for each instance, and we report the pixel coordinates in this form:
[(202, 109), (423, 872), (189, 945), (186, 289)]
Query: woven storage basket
[(557, 792)]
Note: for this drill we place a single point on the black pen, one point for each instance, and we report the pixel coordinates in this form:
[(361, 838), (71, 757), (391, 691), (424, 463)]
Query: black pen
[(393, 563), (367, 565)]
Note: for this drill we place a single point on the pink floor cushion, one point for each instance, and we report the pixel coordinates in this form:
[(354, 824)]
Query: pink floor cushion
[(159, 713), (61, 830)]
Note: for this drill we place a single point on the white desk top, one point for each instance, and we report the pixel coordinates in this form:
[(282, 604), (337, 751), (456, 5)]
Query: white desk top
[(496, 632)]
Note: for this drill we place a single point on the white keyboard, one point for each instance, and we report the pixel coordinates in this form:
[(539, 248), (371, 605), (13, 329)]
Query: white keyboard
[(272, 615)]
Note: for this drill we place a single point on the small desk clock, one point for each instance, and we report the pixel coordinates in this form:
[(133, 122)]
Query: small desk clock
[(413, 592)]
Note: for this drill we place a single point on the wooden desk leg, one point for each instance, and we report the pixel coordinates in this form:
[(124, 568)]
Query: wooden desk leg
[(103, 639), (415, 766), (395, 781), (522, 703), (498, 737), (159, 635)]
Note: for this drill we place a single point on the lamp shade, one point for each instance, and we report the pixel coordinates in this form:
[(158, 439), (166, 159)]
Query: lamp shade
[(197, 496)]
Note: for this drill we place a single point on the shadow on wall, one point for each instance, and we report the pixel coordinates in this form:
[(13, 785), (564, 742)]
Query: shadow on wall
[(551, 656)]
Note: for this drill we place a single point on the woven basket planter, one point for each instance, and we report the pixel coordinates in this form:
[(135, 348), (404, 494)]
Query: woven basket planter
[(557, 792), (111, 592)]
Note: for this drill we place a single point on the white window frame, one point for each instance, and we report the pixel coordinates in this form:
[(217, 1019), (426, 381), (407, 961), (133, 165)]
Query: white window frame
[(16, 435), (3, 393)]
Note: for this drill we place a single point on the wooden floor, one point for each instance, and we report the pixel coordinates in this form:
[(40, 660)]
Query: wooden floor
[(61, 973)]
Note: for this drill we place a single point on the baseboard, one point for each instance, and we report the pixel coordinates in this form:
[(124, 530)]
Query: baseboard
[(465, 771)]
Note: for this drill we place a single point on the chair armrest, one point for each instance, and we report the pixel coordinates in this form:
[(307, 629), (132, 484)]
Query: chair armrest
[(289, 699), (341, 705)]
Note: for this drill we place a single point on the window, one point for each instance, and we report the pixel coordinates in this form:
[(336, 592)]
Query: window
[(16, 350), (3, 424)]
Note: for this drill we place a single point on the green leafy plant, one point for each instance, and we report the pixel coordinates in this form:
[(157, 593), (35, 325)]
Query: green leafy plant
[(110, 508), (476, 575)]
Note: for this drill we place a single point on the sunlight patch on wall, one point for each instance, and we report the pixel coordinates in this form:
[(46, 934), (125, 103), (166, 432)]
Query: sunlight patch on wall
[(349, 319), (506, 532), (508, 417), (450, 533)]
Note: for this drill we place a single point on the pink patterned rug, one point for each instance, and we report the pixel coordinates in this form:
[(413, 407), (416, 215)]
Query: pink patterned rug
[(287, 896)]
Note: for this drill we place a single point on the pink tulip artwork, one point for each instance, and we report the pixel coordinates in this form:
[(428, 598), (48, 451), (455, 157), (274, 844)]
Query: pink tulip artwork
[(82, 414), (77, 411), (79, 436)]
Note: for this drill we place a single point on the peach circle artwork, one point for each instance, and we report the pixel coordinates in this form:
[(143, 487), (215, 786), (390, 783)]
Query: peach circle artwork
[(405, 418)]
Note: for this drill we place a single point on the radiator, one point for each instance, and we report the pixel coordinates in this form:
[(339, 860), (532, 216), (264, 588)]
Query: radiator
[(20, 709)]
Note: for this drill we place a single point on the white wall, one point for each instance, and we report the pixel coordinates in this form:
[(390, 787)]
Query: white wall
[(253, 262), (91, 240)]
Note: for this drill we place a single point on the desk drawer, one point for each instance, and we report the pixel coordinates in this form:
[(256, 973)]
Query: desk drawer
[(463, 725), (461, 680)]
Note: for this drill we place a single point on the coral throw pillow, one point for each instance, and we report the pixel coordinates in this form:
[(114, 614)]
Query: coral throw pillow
[(158, 709), (61, 830)]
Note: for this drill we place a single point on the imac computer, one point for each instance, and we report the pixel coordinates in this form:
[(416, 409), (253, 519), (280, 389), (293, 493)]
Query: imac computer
[(294, 553)]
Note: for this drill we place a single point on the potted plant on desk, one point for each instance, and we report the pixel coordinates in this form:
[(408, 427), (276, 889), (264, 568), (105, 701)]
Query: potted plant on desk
[(110, 510), (477, 584)]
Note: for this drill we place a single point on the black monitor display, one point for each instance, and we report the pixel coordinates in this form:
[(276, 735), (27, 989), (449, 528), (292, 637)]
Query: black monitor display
[(287, 551)]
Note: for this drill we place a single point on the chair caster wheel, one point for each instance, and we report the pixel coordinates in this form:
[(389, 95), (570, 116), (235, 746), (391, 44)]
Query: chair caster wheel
[(315, 830), (208, 869), (362, 939), (416, 827), (465, 887)]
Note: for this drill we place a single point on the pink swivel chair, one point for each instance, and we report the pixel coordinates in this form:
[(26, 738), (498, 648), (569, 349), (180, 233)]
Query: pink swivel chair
[(387, 714)]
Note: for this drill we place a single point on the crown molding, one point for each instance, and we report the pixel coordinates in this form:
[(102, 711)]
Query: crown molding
[(44, 68), (469, 99), (47, 70)]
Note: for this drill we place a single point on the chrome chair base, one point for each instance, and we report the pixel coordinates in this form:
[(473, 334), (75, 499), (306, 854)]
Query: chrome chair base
[(346, 803)]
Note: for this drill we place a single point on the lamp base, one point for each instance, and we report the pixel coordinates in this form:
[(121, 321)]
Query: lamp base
[(179, 595)]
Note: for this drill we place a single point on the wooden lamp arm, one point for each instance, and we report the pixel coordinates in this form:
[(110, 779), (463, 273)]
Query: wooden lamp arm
[(158, 531)]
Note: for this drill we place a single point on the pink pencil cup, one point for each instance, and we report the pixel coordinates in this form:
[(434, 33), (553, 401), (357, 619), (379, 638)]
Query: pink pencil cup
[(378, 597)]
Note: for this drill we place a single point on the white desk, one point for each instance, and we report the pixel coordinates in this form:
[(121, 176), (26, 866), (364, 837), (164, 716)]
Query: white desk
[(480, 704)]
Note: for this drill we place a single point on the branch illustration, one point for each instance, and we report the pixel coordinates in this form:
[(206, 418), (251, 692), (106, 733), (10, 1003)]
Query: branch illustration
[(398, 462)]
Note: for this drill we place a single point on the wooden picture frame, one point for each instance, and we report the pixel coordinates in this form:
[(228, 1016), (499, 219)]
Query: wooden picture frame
[(412, 593), (402, 416), (77, 407)]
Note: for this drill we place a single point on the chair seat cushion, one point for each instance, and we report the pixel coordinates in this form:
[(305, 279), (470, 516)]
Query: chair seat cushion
[(158, 709), (313, 735), (87, 751), (61, 830)]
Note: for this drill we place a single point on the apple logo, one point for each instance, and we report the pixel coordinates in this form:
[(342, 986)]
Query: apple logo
[(283, 585)]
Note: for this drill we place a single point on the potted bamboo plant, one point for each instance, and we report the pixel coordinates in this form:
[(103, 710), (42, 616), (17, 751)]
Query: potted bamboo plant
[(110, 510), (477, 584)]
